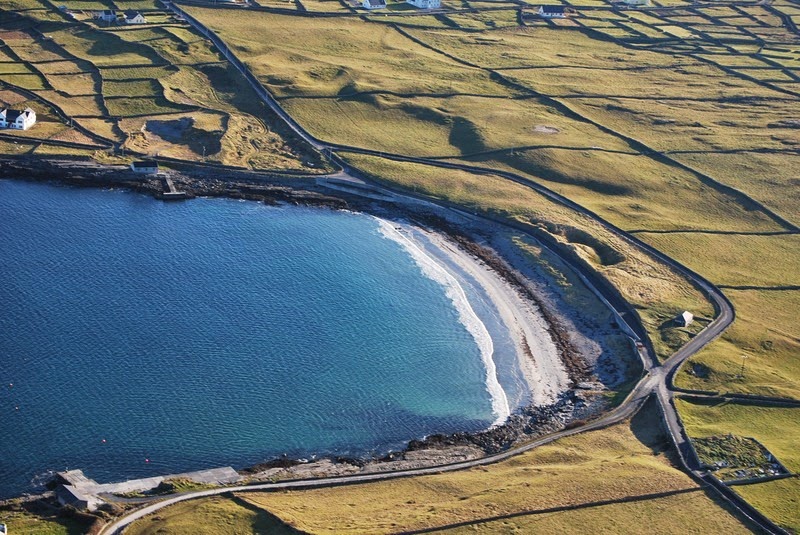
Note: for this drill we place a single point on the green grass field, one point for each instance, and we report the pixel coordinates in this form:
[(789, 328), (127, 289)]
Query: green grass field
[(783, 512), (776, 429)]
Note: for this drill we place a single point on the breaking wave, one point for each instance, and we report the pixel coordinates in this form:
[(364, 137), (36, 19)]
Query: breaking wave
[(467, 316)]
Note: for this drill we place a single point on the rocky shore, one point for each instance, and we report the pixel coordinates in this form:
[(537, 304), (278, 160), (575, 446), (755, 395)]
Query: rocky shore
[(584, 400)]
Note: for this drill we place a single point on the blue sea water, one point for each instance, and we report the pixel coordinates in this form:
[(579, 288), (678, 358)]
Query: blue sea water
[(140, 338)]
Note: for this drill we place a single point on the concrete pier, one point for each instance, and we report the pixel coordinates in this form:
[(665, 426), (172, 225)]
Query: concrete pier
[(170, 191)]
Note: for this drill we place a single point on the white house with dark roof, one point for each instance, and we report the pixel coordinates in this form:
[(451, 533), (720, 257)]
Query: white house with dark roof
[(552, 12), (134, 17), (374, 4), (17, 119), (425, 4), (145, 167)]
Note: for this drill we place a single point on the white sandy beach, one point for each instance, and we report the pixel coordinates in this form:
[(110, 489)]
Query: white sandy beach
[(537, 356)]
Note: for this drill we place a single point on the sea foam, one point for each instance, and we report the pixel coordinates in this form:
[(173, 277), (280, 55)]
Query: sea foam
[(466, 314)]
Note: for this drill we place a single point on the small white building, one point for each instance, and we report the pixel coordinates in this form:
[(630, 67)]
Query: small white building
[(145, 167), (685, 318), (374, 4), (425, 4), (552, 12), (16, 119), (134, 17), (106, 16)]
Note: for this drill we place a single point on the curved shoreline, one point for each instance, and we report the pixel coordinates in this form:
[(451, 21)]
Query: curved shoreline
[(434, 270), (527, 422)]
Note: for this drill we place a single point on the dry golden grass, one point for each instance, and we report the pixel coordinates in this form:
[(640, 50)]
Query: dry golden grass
[(705, 126), (537, 47), (74, 84), (72, 105), (100, 126), (686, 513), (622, 461), (635, 81), (307, 56), (211, 516), (46, 151), (73, 136)]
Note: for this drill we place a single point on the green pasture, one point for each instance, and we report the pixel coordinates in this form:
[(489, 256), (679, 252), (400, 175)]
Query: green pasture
[(105, 49), (764, 331), (784, 511), (633, 191), (340, 57), (671, 125), (772, 426), (135, 106), (770, 178), (452, 126)]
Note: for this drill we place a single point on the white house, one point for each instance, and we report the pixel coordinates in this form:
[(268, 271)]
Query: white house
[(552, 12), (146, 167), (685, 319), (106, 16), (425, 4), (16, 119), (134, 17), (374, 4)]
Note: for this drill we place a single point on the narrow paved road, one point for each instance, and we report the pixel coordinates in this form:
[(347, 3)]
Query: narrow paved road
[(657, 381)]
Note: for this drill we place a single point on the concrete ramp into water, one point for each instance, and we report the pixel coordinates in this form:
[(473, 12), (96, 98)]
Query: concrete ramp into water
[(214, 476)]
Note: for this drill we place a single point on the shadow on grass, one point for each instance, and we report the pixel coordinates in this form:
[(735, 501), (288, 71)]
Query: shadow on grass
[(646, 426), (264, 521)]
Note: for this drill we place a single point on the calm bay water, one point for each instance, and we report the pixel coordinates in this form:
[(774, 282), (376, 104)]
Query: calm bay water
[(140, 338)]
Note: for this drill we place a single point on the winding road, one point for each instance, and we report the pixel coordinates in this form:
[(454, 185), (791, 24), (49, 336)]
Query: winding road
[(657, 380)]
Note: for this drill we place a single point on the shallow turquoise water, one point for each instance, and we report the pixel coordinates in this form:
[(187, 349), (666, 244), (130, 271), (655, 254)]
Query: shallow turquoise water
[(214, 332)]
